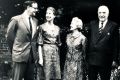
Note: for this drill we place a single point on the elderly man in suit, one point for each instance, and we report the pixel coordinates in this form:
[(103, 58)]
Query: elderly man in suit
[(21, 37), (102, 45)]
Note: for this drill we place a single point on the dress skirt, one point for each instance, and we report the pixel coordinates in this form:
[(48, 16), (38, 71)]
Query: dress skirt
[(51, 62)]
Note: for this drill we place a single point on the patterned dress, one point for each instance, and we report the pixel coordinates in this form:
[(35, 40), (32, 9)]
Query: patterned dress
[(51, 62), (74, 64)]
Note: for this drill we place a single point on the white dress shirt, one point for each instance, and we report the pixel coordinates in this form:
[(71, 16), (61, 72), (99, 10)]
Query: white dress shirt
[(104, 23)]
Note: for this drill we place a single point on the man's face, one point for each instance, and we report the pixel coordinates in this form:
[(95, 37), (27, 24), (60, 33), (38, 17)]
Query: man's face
[(103, 13), (33, 9), (49, 15)]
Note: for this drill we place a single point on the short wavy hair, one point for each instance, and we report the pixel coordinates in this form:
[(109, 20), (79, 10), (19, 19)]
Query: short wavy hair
[(53, 10)]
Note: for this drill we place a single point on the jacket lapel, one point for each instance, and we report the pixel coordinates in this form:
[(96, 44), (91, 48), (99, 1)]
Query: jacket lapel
[(104, 31), (34, 27), (26, 23), (95, 31)]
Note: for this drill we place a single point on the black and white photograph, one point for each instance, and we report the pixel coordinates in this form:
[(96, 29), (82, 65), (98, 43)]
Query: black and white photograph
[(59, 40)]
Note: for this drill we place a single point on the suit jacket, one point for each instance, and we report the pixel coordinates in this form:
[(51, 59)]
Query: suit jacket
[(102, 48), (20, 39)]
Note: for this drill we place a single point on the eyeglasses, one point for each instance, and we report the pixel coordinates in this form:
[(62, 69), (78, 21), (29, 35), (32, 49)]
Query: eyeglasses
[(35, 8)]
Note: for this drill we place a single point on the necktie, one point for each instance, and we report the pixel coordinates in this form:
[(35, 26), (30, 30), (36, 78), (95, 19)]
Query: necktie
[(100, 29), (31, 59), (30, 24)]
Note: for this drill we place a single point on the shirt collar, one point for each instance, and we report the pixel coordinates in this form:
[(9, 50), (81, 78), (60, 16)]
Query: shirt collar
[(104, 23), (26, 15)]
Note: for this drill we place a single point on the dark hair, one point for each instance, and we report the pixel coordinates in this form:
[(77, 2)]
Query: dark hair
[(28, 3)]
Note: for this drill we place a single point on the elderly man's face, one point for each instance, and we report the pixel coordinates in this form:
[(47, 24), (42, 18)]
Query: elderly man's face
[(103, 13)]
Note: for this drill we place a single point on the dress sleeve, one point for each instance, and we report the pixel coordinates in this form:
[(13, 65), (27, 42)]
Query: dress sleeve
[(40, 37)]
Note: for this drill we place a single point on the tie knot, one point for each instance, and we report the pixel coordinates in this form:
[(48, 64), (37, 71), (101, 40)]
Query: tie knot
[(29, 18), (101, 25)]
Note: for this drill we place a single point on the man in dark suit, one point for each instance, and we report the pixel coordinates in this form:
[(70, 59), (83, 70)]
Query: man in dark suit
[(102, 45), (21, 37)]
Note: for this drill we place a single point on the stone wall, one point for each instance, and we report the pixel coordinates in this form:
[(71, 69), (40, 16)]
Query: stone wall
[(5, 55)]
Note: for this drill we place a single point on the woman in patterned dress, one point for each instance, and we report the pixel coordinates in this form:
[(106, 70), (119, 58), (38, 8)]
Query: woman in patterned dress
[(74, 64), (50, 39)]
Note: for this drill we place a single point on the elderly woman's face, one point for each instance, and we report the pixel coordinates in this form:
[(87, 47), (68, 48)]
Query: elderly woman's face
[(76, 23), (49, 15), (73, 24)]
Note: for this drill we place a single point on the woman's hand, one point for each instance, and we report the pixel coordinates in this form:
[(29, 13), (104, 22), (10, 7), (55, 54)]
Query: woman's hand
[(40, 55), (40, 62)]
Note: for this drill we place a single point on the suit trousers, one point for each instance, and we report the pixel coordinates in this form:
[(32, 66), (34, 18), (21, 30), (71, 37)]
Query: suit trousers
[(104, 72), (24, 70)]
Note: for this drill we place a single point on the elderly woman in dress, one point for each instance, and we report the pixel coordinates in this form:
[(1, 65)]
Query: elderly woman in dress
[(74, 64)]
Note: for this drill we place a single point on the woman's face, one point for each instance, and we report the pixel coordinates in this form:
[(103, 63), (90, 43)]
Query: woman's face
[(49, 15), (76, 23)]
